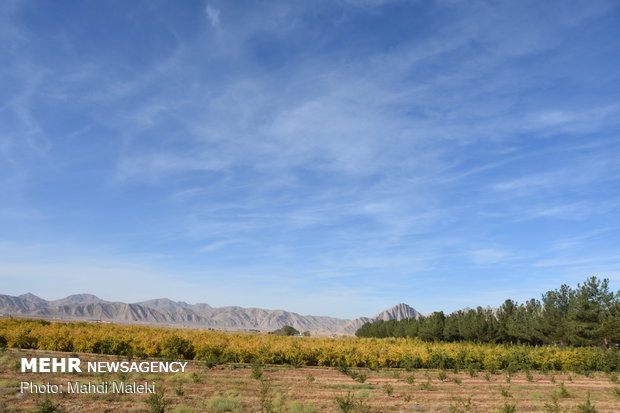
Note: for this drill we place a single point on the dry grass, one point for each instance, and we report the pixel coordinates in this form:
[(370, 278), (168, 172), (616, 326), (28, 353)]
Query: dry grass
[(288, 389)]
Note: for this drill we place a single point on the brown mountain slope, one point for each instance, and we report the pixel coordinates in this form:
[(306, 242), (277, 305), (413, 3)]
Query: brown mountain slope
[(398, 312), (165, 312)]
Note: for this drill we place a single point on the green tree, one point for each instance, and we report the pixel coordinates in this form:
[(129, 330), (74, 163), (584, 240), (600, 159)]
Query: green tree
[(555, 313), (505, 317), (286, 331), (591, 304), (431, 327)]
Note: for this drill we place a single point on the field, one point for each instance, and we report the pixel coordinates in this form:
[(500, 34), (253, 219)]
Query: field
[(270, 388), (266, 373)]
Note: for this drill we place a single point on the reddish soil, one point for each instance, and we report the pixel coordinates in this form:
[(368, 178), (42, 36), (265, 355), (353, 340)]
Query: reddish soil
[(315, 388)]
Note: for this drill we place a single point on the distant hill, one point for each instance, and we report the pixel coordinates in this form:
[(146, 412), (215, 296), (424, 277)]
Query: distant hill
[(32, 299), (167, 303), (75, 299), (163, 311), (398, 312)]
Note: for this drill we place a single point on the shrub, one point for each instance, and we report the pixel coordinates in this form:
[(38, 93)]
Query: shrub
[(343, 367), (529, 376), (266, 401), (508, 408), (427, 385), (440, 360), (411, 363), (296, 407), (459, 405), (554, 405), (587, 406), (157, 403), (504, 391), (25, 341), (219, 403), (113, 346), (46, 406), (177, 347), (211, 360), (257, 371), (196, 377), (358, 376), (348, 404)]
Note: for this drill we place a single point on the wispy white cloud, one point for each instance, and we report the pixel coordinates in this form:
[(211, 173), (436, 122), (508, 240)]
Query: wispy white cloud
[(533, 182), (213, 15), (564, 262), (490, 256), (578, 241), (214, 246), (584, 120), (576, 210), (156, 166), (584, 171), (313, 154)]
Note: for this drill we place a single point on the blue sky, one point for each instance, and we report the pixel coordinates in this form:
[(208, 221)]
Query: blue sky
[(324, 157)]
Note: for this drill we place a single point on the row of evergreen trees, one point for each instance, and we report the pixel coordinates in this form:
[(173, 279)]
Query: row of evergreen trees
[(586, 316)]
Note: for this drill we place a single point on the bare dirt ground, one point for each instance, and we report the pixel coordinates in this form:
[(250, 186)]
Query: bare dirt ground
[(314, 389)]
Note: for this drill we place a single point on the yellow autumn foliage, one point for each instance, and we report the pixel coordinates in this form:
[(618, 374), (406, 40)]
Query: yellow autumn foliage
[(224, 347)]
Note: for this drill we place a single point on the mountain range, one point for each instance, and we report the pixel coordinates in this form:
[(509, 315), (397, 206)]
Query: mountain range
[(162, 311)]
